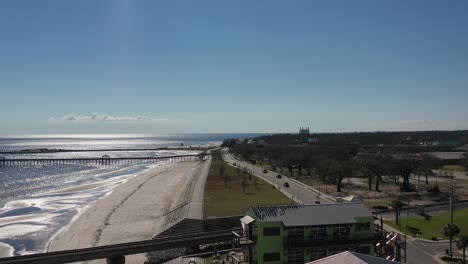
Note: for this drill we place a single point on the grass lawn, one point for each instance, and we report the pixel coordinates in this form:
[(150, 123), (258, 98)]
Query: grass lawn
[(454, 167), (232, 195), (433, 227)]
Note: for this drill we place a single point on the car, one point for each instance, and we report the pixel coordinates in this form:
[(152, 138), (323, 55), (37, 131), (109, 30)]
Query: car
[(234, 164), (265, 171), (286, 184), (278, 176)]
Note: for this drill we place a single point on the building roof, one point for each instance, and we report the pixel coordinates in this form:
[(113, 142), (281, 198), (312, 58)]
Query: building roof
[(352, 258), (309, 215), (453, 155), (462, 148)]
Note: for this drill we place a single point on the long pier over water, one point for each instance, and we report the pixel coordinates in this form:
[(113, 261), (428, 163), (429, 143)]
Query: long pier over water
[(104, 160)]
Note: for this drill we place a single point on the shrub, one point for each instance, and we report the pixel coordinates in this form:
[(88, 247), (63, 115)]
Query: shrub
[(448, 258), (408, 188), (433, 189), (397, 204), (380, 207)]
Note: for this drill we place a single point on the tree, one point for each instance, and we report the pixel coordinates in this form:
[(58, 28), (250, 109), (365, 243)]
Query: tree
[(229, 143), (454, 231), (224, 175), (374, 168), (428, 163), (323, 168), (462, 243), (310, 163), (346, 168), (405, 166), (365, 172), (289, 163), (337, 171), (397, 205)]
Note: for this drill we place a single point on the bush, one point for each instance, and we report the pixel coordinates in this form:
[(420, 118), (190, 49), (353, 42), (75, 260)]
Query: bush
[(380, 207), (434, 189), (397, 204), (408, 188), (448, 258), (434, 239)]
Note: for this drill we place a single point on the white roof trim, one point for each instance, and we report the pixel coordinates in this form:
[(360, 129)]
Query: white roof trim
[(247, 219)]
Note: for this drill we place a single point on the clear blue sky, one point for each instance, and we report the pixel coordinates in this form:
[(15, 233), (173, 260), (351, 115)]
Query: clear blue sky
[(121, 66)]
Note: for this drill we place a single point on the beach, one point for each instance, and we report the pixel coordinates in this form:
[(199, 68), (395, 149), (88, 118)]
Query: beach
[(138, 209)]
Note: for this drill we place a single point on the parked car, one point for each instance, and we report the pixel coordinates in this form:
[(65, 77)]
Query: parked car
[(265, 171), (278, 176), (234, 164), (286, 184)]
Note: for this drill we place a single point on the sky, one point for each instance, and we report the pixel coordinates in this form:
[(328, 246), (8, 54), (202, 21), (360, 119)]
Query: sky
[(120, 66)]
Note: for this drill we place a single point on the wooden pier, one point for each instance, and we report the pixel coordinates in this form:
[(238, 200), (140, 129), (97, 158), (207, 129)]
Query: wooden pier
[(104, 160)]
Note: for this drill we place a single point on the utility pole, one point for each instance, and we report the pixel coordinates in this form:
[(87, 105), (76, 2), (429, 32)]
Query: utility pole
[(451, 219)]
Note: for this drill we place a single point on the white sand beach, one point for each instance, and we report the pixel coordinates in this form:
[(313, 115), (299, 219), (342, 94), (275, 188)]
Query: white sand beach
[(135, 210)]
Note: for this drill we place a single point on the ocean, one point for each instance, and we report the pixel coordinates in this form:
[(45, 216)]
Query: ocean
[(38, 201)]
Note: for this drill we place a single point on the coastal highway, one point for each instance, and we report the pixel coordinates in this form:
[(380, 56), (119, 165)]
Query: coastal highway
[(418, 252), (297, 191)]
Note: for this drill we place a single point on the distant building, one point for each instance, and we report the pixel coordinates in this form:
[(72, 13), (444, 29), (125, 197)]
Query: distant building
[(447, 143), (449, 158), (303, 233), (304, 134), (461, 148)]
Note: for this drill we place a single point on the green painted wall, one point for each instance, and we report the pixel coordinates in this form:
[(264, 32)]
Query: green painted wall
[(270, 244)]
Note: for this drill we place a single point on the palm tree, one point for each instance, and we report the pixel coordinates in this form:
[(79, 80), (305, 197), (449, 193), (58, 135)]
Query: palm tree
[(451, 231), (462, 243), (455, 230)]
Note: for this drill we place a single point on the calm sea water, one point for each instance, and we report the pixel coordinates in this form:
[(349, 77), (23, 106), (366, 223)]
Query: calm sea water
[(37, 201)]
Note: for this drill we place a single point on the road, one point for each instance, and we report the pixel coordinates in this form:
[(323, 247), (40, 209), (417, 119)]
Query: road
[(418, 252), (297, 191), (426, 253)]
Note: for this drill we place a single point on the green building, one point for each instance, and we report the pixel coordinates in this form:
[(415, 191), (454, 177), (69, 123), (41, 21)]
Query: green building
[(303, 233)]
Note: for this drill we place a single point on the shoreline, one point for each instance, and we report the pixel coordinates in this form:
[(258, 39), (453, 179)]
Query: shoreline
[(133, 210)]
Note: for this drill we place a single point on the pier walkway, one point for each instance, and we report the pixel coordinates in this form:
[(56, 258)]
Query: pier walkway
[(104, 160)]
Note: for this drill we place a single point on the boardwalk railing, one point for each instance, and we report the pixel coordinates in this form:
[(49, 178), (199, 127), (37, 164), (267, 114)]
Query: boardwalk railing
[(104, 160), (115, 253)]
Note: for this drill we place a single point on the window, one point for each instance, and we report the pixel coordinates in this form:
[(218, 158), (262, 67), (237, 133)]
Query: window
[(317, 253), (340, 232), (296, 233), (318, 233), (296, 257), (362, 226), (363, 249), (271, 231), (275, 256)]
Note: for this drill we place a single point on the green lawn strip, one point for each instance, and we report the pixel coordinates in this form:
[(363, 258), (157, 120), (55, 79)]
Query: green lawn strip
[(454, 167), (236, 199), (434, 226)]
